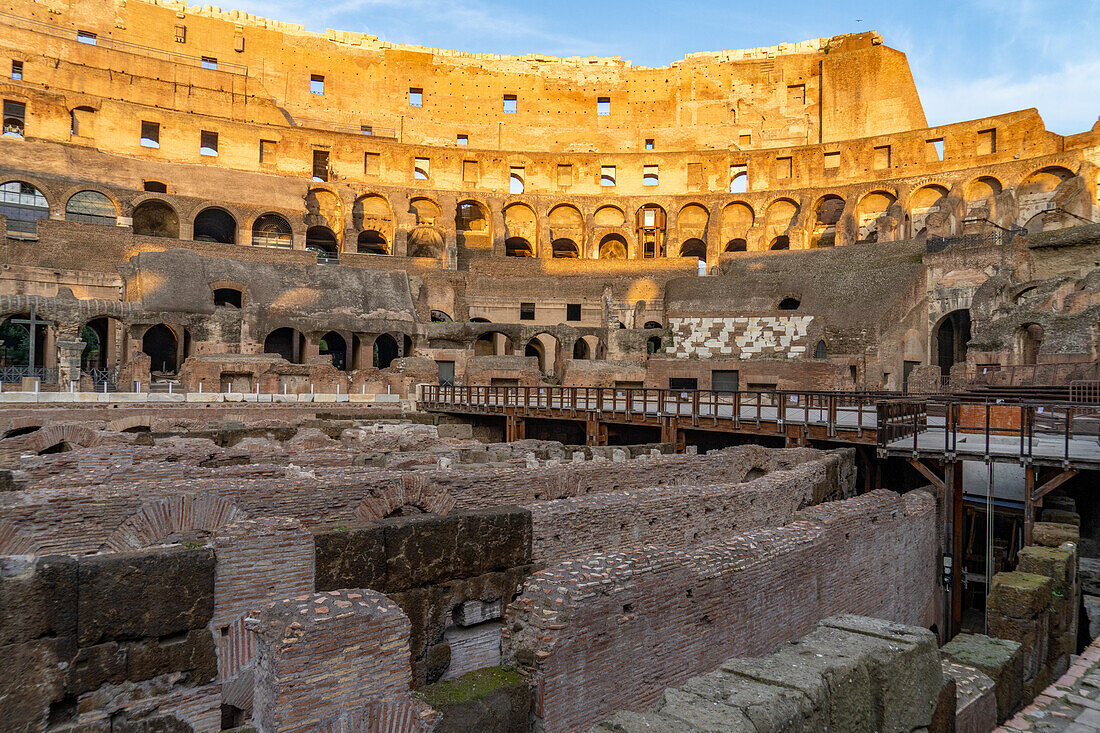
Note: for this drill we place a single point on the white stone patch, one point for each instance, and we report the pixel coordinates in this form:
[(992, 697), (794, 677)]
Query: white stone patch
[(741, 337)]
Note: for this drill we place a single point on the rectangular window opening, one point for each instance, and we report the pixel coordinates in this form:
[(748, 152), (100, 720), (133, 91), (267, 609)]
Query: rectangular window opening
[(181, 34), (515, 180), (208, 143), (832, 161), (16, 69), (603, 106), (462, 140), (416, 97), (366, 130), (739, 178), (527, 311), (695, 175), (86, 37), (372, 163), (987, 142), (565, 175), (421, 168), (320, 166), (267, 152), (744, 141), (935, 150), (511, 103), (150, 134), (649, 144), (15, 117), (650, 175), (469, 171), (209, 62), (573, 311), (607, 175), (796, 94), (882, 157), (784, 167), (316, 84)]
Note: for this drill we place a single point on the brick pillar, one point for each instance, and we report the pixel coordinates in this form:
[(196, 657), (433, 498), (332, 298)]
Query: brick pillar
[(322, 660), (68, 363)]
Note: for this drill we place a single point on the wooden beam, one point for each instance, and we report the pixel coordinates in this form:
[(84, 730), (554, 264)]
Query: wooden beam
[(927, 473), (1053, 484)]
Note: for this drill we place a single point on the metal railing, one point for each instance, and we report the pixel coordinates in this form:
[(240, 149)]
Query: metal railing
[(836, 411), (1084, 390), (103, 379), (995, 238), (69, 34), (17, 373), (1027, 430)]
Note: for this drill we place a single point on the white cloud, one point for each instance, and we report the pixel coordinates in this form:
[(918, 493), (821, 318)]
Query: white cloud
[(1068, 98)]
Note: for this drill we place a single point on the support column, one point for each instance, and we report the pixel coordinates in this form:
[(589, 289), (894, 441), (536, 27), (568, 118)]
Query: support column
[(68, 363), (953, 541), (514, 428), (1029, 503), (595, 432)]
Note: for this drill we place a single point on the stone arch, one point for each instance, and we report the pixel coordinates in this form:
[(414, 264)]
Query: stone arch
[(612, 247), (492, 343), (1043, 181), (426, 211), (272, 230), (736, 220), (68, 433), (692, 221), (982, 188), (521, 222), (565, 248), (827, 212), (24, 205), (737, 244), (872, 206), (324, 208), (91, 207), (609, 216), (122, 424), (372, 212), (214, 224), (323, 241), (779, 217), (414, 490), (923, 202), (156, 218), (286, 342), (372, 242), (473, 224), (14, 541), (518, 247), (158, 521)]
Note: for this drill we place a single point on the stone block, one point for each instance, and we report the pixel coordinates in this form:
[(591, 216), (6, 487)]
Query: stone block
[(37, 597), (975, 701), (192, 652), (1061, 516), (457, 430), (1000, 659), (117, 597), (1030, 633), (493, 700), (1019, 595), (1050, 534), (95, 666), (34, 681), (1056, 563), (351, 558)]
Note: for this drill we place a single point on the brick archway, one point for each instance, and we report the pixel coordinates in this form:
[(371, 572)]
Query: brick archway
[(51, 435), (158, 520), (414, 490)]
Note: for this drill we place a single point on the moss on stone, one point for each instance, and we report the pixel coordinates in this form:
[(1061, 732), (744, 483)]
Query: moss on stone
[(471, 686)]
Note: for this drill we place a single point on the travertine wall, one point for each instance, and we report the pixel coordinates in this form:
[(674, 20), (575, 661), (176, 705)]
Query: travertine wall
[(680, 516), (739, 338), (612, 630)]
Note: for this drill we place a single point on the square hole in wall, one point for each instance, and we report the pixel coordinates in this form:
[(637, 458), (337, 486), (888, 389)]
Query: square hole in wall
[(421, 168), (462, 140), (987, 142), (783, 167), (832, 161), (16, 69), (268, 151), (565, 175), (316, 84), (208, 143), (511, 103), (881, 157), (150, 134), (934, 150), (469, 171), (573, 311), (603, 106), (372, 163), (527, 311), (416, 97)]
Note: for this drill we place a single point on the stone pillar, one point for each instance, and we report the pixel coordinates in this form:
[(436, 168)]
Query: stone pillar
[(326, 659), (68, 363), (498, 230), (1019, 610)]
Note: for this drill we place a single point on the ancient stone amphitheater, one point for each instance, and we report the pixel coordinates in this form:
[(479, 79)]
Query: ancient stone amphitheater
[(351, 386)]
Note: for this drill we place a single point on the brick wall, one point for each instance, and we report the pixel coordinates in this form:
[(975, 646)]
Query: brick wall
[(677, 516), (611, 630)]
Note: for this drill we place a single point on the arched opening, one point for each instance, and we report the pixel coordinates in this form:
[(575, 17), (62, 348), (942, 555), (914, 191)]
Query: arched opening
[(650, 228), (492, 344), (982, 188), (952, 336), (565, 249), (696, 248), (515, 184), (480, 320), (155, 218), (652, 324), (272, 230), (654, 345), (371, 242), (518, 247), (15, 342), (821, 351), (91, 207), (612, 247), (287, 343), (789, 303), (780, 243), (534, 348), (386, 349), (581, 350), (1031, 341), (737, 245), (425, 241), (96, 335), (24, 205), (440, 317), (335, 347), (215, 225), (161, 344), (227, 298), (827, 213), (322, 241)]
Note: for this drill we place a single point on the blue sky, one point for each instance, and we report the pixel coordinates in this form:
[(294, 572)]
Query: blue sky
[(970, 58)]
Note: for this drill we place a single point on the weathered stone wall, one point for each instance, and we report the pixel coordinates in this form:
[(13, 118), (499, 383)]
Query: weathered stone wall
[(612, 630), (851, 673), (111, 634), (740, 338), (679, 516)]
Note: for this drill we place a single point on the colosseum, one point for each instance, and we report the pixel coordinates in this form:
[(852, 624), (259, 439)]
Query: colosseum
[(352, 386)]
